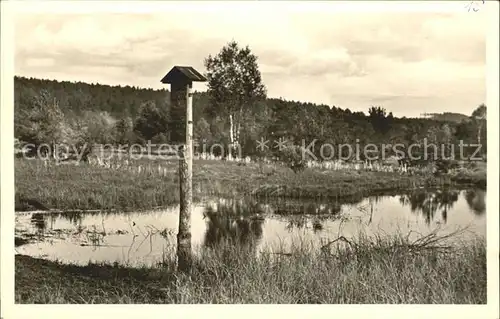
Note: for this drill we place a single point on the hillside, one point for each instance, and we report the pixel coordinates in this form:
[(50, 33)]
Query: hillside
[(115, 114)]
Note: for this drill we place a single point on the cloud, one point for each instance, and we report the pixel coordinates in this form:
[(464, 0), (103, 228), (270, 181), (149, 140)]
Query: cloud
[(407, 37), (405, 61), (328, 61)]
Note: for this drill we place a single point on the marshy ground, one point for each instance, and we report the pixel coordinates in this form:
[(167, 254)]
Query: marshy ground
[(392, 269), (83, 187)]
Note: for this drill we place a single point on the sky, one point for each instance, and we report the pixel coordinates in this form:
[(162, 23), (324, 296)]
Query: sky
[(409, 63)]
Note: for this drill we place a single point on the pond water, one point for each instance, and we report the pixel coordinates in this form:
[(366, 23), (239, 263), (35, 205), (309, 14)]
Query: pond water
[(146, 237)]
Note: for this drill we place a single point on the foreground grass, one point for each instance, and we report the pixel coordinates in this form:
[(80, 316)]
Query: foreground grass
[(86, 187), (382, 271)]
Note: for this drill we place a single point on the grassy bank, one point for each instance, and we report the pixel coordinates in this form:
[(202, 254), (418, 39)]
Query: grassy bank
[(370, 271), (89, 187)]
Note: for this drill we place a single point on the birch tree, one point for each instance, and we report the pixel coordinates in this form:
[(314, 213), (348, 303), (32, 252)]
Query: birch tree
[(479, 115), (234, 86)]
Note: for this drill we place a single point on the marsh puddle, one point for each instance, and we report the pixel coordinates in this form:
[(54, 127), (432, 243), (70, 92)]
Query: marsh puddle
[(146, 237)]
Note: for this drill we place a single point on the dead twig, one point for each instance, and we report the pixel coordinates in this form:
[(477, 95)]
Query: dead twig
[(340, 238)]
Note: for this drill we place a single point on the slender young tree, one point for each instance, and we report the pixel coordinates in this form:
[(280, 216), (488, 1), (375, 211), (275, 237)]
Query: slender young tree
[(479, 115)]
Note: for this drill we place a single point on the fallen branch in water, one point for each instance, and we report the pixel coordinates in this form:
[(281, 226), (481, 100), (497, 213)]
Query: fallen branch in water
[(432, 238), (429, 242)]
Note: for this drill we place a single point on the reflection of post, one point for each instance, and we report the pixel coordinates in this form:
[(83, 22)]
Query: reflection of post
[(371, 212)]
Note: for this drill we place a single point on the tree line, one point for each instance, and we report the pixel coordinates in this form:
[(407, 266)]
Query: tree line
[(235, 111)]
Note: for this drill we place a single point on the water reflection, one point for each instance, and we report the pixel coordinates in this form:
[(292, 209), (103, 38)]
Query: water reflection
[(476, 199), (39, 221), (429, 202), (139, 237), (233, 221), (74, 218), (309, 208)]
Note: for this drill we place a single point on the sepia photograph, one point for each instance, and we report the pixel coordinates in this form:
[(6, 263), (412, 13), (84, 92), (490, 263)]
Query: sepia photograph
[(250, 153)]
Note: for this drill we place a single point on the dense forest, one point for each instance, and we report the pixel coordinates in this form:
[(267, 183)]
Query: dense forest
[(127, 115), (49, 111)]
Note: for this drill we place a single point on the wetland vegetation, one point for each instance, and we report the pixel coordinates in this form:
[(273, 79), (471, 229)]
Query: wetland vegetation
[(274, 228)]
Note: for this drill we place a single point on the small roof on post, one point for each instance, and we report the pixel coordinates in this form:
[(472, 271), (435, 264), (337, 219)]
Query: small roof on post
[(183, 74)]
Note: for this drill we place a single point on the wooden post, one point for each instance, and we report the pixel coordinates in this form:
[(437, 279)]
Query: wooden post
[(189, 133), (184, 258), (181, 79)]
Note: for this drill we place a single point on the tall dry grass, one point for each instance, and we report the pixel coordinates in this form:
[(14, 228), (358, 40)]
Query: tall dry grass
[(365, 270)]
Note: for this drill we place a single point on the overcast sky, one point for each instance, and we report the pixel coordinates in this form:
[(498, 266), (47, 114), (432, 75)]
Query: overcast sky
[(409, 63)]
